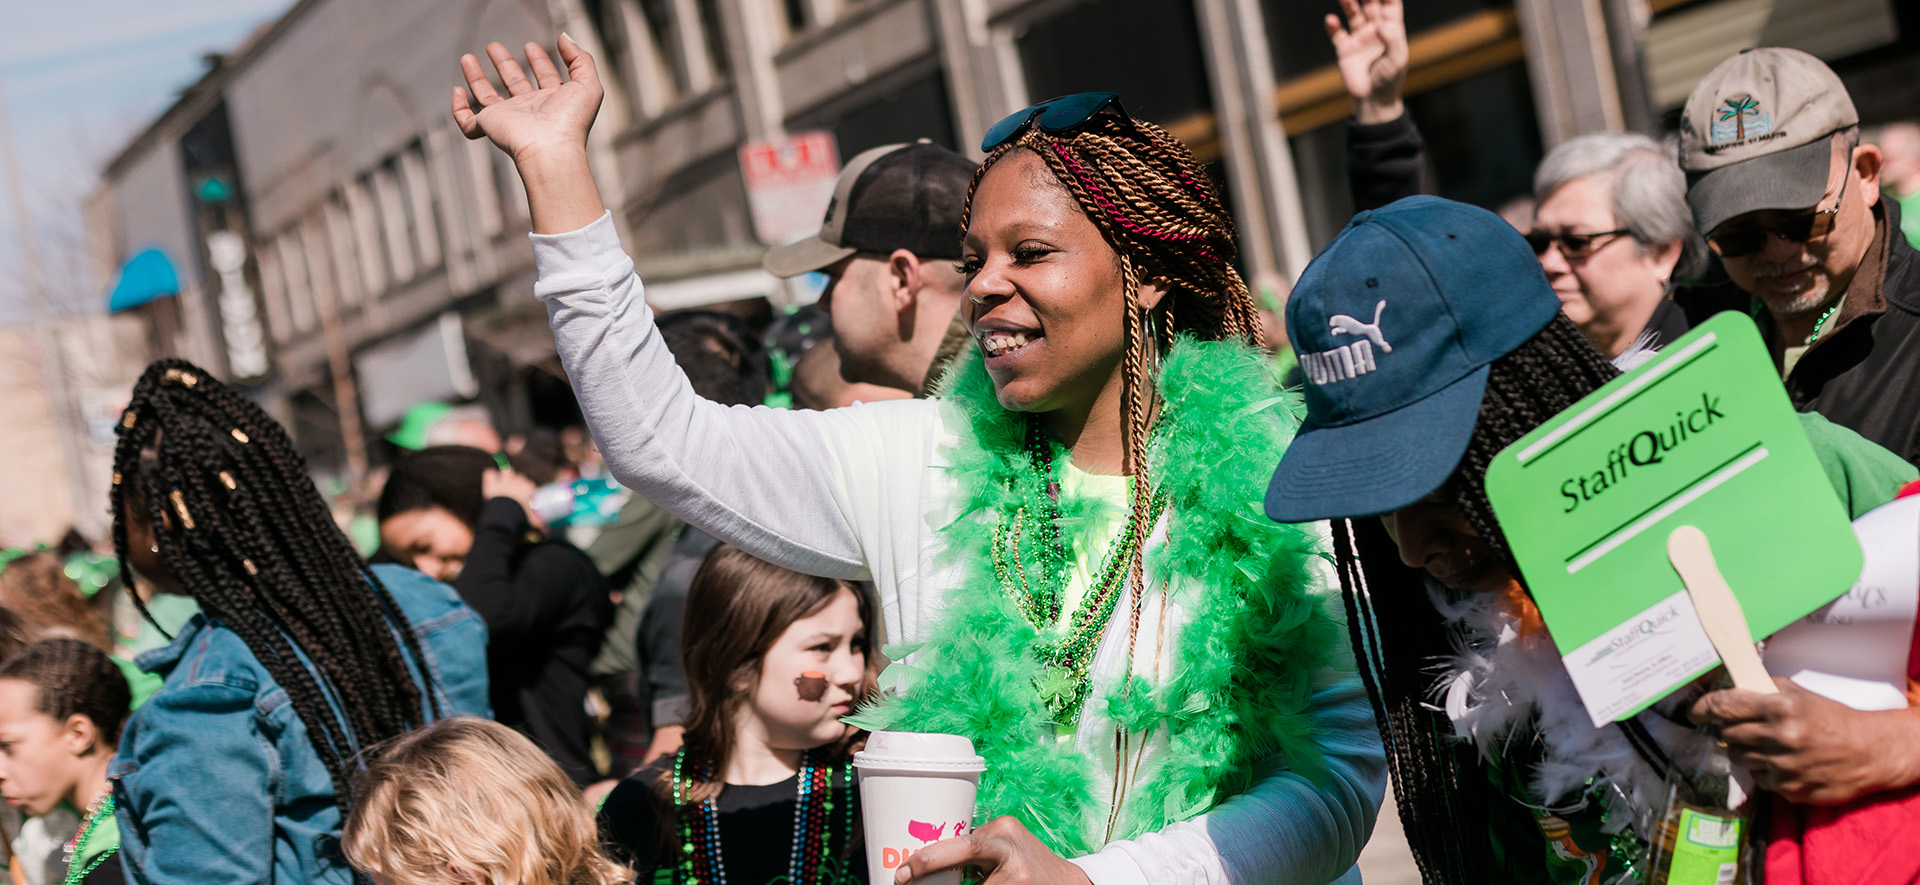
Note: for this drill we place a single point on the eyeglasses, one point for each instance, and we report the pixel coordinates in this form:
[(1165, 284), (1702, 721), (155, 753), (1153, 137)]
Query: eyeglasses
[(1749, 239), (1054, 116), (1574, 246)]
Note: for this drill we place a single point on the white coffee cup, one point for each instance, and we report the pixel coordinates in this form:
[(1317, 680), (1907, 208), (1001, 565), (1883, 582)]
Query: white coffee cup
[(915, 789)]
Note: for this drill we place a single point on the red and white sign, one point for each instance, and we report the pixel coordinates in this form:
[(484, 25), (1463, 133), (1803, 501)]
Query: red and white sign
[(789, 183)]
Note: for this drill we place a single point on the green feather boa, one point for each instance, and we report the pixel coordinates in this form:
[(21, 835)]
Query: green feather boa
[(1244, 665)]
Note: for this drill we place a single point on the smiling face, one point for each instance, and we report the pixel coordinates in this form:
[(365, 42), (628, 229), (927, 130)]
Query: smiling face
[(430, 540), (40, 757), (1045, 292), (1794, 279), (1435, 535), (809, 677)]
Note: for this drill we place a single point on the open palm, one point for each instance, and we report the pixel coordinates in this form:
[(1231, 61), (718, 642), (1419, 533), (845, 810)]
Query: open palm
[(1372, 48), (542, 115)]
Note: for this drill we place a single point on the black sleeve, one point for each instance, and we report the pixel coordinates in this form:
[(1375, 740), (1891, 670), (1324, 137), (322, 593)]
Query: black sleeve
[(1384, 161), (516, 592), (631, 819)]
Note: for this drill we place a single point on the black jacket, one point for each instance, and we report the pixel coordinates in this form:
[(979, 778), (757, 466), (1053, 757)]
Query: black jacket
[(1863, 374), (1383, 161), (546, 610)]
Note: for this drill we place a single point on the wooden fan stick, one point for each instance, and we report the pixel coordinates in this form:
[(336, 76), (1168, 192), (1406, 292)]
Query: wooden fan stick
[(1719, 611)]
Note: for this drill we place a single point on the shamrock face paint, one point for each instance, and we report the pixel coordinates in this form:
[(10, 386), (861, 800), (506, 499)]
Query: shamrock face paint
[(811, 686), (809, 675)]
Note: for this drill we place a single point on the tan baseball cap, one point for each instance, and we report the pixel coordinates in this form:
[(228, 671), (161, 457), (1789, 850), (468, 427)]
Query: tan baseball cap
[(1754, 134), (896, 196)]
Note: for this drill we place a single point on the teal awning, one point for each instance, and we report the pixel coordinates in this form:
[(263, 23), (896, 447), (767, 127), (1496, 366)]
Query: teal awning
[(146, 276)]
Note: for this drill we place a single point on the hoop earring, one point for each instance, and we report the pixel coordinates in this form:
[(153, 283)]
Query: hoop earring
[(1149, 335)]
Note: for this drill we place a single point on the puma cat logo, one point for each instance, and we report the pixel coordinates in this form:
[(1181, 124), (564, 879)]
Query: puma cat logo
[(1348, 360), (1341, 324)]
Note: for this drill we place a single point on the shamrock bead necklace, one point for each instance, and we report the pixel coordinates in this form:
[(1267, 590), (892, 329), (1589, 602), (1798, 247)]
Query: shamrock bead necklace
[(1036, 575)]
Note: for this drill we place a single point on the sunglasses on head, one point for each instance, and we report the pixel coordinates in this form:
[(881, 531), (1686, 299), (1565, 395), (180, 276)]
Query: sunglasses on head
[(1053, 116), (1573, 246), (1748, 239)]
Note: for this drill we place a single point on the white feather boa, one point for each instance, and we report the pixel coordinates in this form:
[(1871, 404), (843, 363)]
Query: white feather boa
[(1500, 688)]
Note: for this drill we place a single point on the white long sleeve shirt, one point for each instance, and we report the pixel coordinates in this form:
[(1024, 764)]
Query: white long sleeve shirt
[(860, 493)]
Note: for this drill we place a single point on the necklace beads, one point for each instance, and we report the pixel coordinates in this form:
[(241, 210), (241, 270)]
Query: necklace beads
[(1035, 574), (99, 809), (810, 857)]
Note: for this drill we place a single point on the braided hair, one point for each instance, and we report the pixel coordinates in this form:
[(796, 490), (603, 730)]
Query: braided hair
[(1400, 636), (1157, 208), (252, 540)]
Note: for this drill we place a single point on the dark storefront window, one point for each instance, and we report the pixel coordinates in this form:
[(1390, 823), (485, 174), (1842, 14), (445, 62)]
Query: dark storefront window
[(913, 106), (1146, 50), (1297, 35)]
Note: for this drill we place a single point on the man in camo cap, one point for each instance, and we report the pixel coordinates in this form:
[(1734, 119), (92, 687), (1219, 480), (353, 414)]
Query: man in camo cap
[(1789, 200)]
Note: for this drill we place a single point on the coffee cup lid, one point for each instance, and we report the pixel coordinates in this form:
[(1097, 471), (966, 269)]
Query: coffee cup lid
[(919, 750)]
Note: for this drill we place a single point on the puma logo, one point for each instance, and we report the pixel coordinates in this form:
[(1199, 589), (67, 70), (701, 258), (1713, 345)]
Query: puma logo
[(1348, 360), (1341, 324)]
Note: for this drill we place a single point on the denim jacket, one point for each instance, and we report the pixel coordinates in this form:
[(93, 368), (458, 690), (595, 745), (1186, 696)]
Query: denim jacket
[(216, 781)]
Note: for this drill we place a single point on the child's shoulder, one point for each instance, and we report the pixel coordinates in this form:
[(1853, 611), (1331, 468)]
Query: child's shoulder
[(631, 816)]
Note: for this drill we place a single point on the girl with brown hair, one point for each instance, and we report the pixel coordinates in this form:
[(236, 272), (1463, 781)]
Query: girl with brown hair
[(775, 660), (1066, 541)]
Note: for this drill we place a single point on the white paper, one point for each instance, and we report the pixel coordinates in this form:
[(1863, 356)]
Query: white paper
[(1641, 660), (1854, 649)]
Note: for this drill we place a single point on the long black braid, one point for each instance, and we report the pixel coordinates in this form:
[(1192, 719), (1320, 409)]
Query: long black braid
[(1400, 637), (241, 527)]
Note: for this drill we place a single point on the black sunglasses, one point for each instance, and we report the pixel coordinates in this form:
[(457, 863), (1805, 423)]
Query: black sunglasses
[(1054, 116), (1749, 239), (1574, 246)]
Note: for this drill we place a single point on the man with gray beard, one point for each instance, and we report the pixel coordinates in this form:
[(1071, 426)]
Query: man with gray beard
[(1789, 200)]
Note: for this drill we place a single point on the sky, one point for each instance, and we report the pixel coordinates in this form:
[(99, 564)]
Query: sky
[(80, 78)]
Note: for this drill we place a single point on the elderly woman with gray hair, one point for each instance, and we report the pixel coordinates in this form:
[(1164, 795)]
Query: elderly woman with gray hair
[(1613, 232)]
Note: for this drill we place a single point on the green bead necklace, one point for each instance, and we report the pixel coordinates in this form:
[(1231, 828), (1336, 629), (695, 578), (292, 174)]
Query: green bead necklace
[(1821, 325), (811, 859), (1036, 575), (100, 808)]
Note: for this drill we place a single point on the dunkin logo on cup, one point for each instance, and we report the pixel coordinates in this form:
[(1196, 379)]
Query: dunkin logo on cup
[(925, 832)]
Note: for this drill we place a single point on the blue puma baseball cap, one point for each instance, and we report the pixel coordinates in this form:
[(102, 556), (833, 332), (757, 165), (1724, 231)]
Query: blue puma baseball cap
[(1394, 324)]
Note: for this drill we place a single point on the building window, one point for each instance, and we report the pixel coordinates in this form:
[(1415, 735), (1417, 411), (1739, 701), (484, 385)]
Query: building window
[(420, 210), (393, 220), (273, 291), (340, 246), (658, 17), (914, 107), (365, 220), (293, 260), (1148, 52), (485, 187)]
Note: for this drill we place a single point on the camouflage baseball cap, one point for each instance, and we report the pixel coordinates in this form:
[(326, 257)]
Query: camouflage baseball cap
[(1754, 134)]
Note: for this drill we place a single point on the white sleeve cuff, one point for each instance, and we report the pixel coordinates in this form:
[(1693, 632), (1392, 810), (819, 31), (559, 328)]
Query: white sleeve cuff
[(585, 259)]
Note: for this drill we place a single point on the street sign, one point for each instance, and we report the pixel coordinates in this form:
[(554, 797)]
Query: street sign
[(1701, 435), (789, 182)]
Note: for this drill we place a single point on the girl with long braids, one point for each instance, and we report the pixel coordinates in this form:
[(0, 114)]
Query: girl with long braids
[(1065, 541), (301, 657), (1431, 341)]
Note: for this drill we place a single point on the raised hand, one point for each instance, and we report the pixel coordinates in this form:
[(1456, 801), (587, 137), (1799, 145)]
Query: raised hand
[(545, 114), (542, 124), (1372, 48)]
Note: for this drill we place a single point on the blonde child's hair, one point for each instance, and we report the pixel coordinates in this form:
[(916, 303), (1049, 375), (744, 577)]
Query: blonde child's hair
[(477, 799)]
